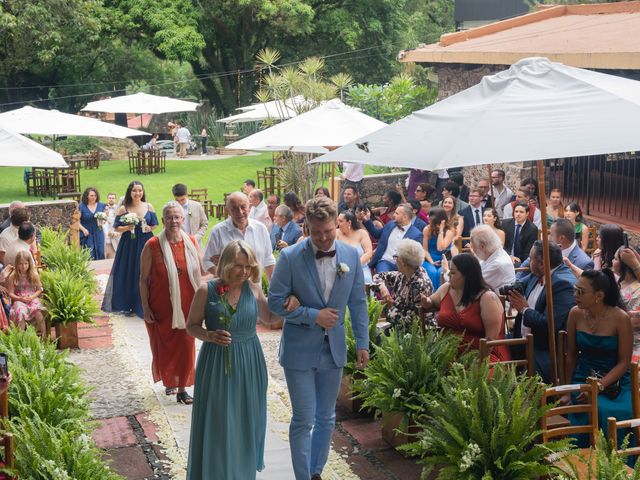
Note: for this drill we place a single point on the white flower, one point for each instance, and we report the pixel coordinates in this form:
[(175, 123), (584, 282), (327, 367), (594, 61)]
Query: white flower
[(343, 268), (469, 456), (397, 392)]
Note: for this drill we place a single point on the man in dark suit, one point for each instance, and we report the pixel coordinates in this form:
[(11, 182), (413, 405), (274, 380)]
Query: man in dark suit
[(532, 306), (384, 256), (520, 234), (417, 221), (483, 186), (472, 214)]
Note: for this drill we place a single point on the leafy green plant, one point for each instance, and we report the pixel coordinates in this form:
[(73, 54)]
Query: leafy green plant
[(609, 464), (68, 297), (484, 424), (73, 145), (374, 309), (60, 256), (407, 371), (52, 238)]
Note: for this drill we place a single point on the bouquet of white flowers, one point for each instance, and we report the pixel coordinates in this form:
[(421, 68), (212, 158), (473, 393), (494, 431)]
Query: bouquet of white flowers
[(130, 219), (101, 217)]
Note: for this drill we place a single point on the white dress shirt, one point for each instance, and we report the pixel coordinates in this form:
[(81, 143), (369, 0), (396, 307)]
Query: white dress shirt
[(327, 271), (392, 244), (261, 214), (501, 199), (7, 237), (12, 251), (531, 301), (473, 214), (255, 235), (537, 216), (567, 251), (354, 172), (498, 270)]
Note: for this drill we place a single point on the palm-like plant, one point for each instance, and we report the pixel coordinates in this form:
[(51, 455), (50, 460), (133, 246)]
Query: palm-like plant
[(342, 81)]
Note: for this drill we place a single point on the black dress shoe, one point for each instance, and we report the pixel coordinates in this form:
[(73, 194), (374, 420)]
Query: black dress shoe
[(316, 476)]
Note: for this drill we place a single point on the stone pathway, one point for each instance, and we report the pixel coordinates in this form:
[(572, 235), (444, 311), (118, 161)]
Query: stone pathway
[(145, 434)]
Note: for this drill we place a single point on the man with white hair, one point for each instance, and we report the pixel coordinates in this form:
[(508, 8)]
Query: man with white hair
[(239, 227), (496, 264), (12, 206)]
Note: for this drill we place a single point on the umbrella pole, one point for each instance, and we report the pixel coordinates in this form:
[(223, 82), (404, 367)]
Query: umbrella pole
[(542, 197), (333, 178), (493, 200)]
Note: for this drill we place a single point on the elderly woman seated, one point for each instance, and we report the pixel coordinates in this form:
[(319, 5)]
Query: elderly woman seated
[(495, 262), (401, 289)]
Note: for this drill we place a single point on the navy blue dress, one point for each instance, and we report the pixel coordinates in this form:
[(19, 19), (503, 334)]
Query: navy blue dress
[(95, 240), (123, 291)]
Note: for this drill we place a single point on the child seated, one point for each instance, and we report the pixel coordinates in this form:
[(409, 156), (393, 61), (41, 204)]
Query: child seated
[(24, 289)]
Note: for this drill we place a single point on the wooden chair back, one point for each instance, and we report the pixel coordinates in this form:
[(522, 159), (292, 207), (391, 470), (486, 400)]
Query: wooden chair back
[(528, 363), (6, 440), (462, 244), (634, 423), (509, 315), (590, 408), (199, 194), (592, 244), (562, 356)]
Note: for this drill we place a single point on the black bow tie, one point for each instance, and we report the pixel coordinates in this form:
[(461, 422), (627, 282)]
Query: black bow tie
[(321, 254), (400, 228)]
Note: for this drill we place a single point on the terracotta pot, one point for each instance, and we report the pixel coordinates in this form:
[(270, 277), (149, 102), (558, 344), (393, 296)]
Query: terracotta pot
[(345, 395), (391, 423), (67, 335)]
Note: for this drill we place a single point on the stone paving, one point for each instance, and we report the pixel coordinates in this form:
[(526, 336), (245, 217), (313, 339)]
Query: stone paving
[(145, 434)]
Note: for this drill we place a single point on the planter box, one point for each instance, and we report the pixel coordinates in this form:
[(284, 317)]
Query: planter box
[(390, 423), (67, 335), (345, 394)]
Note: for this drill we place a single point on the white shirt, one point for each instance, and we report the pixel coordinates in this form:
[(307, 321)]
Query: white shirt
[(7, 237), (498, 270), (13, 249), (567, 251), (473, 214), (515, 230), (261, 214), (186, 225), (537, 216), (255, 235), (354, 172), (392, 245), (183, 135), (501, 199), (327, 271), (531, 301)]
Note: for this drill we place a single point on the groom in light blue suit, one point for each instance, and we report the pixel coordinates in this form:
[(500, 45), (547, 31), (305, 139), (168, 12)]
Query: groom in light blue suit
[(326, 277)]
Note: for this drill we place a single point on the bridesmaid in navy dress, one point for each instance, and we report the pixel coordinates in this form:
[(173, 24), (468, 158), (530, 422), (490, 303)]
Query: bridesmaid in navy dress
[(123, 291), (91, 234)]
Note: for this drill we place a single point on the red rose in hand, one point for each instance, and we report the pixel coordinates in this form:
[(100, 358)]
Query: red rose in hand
[(222, 289)]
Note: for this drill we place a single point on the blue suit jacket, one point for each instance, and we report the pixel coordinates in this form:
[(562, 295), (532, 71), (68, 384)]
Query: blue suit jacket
[(419, 224), (383, 234), (296, 274), (562, 282), (576, 256), (290, 234), (469, 220)]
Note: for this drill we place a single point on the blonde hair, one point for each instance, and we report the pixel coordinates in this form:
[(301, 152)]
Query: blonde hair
[(228, 258), (32, 272), (322, 209)]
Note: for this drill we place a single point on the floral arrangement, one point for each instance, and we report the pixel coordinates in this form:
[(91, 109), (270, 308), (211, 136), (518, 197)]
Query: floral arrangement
[(130, 219), (225, 319), (343, 269), (101, 217)]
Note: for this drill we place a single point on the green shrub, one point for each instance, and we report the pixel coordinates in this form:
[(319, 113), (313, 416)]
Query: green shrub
[(407, 371), (609, 464), (374, 309), (45, 452), (52, 238), (73, 260), (68, 297), (44, 382), (74, 145), (484, 424)]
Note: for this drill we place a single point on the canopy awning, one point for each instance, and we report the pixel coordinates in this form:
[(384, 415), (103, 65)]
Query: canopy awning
[(19, 151), (141, 103)]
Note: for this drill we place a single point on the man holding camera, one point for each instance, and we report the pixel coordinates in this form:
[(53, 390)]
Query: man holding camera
[(531, 304)]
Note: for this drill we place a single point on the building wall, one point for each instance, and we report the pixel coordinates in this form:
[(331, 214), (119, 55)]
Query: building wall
[(56, 213)]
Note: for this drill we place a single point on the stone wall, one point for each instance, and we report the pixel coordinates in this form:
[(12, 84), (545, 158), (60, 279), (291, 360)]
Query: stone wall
[(56, 213), (514, 173), (455, 77), (375, 186)]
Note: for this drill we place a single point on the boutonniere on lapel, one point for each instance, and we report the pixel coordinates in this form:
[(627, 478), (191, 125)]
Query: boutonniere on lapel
[(189, 213), (343, 269)]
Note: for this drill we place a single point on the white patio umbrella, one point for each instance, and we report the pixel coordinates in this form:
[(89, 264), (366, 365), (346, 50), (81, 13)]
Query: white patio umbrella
[(330, 125), (535, 110), (275, 109), (37, 121), (19, 151), (141, 103)]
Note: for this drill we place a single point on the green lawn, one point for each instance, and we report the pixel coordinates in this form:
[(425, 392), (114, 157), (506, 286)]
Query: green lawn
[(219, 176)]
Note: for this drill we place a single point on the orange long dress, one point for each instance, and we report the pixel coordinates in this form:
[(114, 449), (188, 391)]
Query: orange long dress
[(174, 350)]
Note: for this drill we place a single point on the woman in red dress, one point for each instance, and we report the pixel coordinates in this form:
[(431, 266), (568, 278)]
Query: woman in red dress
[(169, 276), (468, 307)]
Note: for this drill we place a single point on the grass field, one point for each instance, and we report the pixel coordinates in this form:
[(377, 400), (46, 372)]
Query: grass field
[(219, 176)]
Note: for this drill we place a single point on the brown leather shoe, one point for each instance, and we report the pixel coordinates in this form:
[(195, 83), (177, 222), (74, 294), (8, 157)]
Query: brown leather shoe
[(316, 476)]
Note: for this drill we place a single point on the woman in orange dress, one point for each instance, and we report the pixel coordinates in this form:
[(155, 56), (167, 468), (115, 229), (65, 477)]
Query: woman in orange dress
[(169, 277), (468, 307)]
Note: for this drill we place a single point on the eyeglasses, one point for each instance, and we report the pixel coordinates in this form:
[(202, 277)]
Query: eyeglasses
[(173, 218), (577, 291), (419, 190)]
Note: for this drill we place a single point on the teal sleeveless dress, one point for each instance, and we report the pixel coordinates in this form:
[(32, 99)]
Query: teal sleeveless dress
[(229, 418)]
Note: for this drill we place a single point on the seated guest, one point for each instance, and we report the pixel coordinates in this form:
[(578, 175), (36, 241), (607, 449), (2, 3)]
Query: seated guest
[(610, 239), (196, 221), (10, 235), (454, 220), (272, 203), (351, 233), (532, 305), (7, 221), (259, 210), (424, 194), (555, 208), (452, 189), (626, 265), (599, 345), (415, 179), (285, 231), (292, 201), (24, 290), (391, 199), (472, 215), (533, 212), (563, 233), (497, 267), (573, 213), (468, 307), (26, 238), (531, 184), (401, 290), (420, 218), (437, 239), (520, 234), (490, 217), (350, 199), (464, 190), (483, 188), (322, 192), (389, 236)]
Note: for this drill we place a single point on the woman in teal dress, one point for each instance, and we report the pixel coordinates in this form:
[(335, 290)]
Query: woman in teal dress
[(600, 342), (229, 419)]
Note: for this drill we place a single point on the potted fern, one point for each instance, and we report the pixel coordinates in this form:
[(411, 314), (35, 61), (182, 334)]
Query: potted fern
[(484, 424), (404, 376), (350, 373)]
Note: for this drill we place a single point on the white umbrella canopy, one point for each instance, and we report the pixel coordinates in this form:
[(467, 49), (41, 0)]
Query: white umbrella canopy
[(141, 103), (332, 124), (19, 151), (535, 110), (38, 121), (275, 109)]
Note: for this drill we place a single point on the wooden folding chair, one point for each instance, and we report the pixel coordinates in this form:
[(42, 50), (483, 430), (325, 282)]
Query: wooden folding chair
[(633, 423), (527, 362), (6, 441), (462, 244), (592, 244), (199, 194)]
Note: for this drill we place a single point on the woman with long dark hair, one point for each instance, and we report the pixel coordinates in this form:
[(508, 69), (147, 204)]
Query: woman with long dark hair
[(135, 220), (610, 239), (292, 201), (625, 264), (490, 217), (468, 307), (91, 233), (600, 343), (351, 233), (573, 213), (437, 238)]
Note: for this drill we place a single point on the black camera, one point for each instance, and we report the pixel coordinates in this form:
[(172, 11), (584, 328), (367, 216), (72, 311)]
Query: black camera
[(517, 287)]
